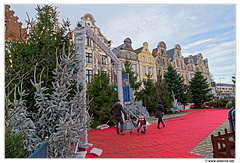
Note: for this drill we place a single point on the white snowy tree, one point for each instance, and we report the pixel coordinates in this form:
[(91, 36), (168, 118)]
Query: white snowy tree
[(61, 117), (19, 120)]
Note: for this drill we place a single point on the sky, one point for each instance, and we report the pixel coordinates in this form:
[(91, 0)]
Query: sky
[(205, 26), (209, 29)]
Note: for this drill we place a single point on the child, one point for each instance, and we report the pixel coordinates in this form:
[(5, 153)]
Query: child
[(142, 122)]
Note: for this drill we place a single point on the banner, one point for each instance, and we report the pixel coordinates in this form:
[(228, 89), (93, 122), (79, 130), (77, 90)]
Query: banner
[(126, 89)]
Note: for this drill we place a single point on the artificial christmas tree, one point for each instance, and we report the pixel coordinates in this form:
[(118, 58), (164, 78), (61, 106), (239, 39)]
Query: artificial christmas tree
[(20, 134), (61, 117), (44, 40)]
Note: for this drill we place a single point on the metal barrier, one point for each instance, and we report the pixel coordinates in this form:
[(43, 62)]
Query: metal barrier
[(231, 118), (41, 152)]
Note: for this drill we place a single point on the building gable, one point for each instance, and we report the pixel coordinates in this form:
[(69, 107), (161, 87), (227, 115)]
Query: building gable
[(13, 28), (89, 19)]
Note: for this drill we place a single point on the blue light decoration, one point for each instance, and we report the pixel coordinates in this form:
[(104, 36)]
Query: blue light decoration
[(72, 68), (126, 89)]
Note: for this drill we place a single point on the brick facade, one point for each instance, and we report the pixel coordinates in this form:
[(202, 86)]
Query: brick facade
[(13, 28)]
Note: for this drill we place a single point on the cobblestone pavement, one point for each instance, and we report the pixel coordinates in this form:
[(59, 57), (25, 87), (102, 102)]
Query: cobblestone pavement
[(204, 148)]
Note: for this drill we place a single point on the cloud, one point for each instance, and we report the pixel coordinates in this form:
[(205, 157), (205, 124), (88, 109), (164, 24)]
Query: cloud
[(223, 49), (191, 45), (222, 60), (221, 55), (172, 24)]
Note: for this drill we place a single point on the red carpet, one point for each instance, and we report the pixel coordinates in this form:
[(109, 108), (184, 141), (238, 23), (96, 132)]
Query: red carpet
[(179, 137)]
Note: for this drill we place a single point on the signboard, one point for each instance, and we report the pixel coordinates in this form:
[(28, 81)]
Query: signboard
[(126, 89)]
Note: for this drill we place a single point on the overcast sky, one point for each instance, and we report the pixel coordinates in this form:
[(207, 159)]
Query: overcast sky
[(207, 29)]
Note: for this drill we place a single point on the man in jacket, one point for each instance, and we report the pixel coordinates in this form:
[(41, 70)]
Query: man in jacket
[(116, 111)]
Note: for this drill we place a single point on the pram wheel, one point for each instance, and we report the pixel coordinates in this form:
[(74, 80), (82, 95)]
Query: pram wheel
[(131, 133), (143, 132)]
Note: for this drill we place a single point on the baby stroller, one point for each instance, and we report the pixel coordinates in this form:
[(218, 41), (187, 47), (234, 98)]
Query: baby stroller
[(132, 125)]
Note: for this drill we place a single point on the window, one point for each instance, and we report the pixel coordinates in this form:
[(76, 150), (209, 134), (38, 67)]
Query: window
[(190, 67), (88, 42), (143, 58), (187, 76), (163, 61), (143, 70), (104, 60), (177, 64), (128, 55), (191, 76), (89, 58), (89, 74), (150, 61), (151, 71), (181, 65), (134, 68), (5, 26)]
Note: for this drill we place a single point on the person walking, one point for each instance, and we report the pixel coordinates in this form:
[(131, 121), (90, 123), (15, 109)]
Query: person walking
[(116, 111), (159, 113)]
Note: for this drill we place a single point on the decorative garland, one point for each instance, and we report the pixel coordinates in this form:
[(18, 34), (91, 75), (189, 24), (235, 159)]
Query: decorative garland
[(69, 30), (27, 29)]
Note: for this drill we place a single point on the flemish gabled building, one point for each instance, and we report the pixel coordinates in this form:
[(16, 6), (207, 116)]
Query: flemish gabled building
[(125, 52), (142, 61), (197, 63), (96, 59), (13, 28), (161, 58), (190, 68), (186, 67), (146, 61), (177, 61)]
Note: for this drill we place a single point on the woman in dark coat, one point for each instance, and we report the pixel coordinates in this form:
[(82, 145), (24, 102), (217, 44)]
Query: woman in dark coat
[(159, 114)]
